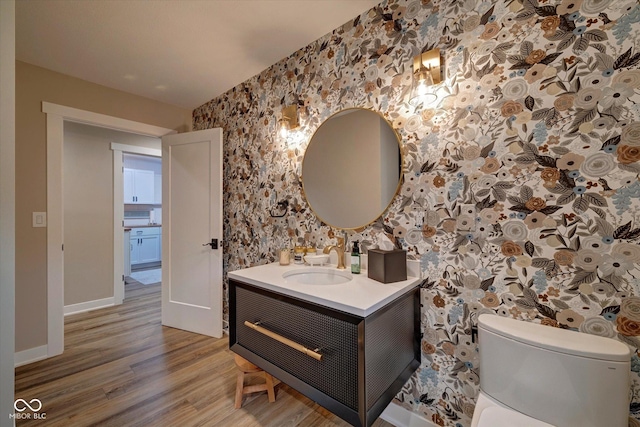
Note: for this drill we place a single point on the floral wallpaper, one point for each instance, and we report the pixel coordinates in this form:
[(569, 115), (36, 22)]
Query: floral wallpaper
[(521, 195)]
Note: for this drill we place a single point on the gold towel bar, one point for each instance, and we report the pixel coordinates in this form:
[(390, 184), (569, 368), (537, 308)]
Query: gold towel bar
[(283, 340)]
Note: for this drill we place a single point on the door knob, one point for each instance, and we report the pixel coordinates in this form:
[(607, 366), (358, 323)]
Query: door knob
[(213, 243)]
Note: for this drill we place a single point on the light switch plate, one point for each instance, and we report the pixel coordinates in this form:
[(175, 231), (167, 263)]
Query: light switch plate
[(39, 219)]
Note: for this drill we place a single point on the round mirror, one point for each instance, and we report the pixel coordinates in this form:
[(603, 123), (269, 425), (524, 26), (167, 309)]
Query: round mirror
[(352, 168)]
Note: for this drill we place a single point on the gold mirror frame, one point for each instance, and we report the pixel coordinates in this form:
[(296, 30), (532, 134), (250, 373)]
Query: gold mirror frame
[(357, 184)]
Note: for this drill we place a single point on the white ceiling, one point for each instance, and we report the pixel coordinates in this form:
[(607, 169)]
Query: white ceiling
[(182, 52)]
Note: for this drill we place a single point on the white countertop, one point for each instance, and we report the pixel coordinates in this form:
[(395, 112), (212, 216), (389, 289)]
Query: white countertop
[(360, 296)]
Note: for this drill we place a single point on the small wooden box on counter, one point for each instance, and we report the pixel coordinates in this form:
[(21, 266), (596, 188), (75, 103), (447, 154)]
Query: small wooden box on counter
[(387, 266)]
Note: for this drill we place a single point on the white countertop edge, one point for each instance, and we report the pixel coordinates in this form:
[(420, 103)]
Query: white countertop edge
[(399, 288)]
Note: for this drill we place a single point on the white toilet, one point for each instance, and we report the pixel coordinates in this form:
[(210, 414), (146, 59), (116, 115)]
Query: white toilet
[(538, 376)]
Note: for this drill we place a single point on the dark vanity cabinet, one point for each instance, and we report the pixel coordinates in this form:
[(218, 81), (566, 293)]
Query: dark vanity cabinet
[(351, 365)]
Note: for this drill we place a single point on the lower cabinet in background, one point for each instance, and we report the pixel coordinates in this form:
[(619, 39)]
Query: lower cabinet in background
[(127, 252), (351, 365), (145, 245)]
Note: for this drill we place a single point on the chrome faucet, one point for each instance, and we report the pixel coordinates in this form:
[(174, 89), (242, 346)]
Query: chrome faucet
[(339, 248)]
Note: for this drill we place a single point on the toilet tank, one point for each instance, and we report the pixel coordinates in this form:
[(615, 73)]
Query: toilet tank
[(558, 376)]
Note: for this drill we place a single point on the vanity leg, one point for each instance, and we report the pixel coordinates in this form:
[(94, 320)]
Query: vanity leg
[(270, 391), (239, 388)]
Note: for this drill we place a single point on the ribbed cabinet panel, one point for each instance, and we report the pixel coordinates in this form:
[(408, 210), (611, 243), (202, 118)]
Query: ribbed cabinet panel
[(335, 375)]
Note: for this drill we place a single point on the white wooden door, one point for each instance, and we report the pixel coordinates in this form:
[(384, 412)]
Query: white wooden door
[(191, 220)]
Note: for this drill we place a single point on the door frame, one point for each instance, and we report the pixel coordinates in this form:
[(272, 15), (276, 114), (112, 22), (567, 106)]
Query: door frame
[(56, 115), (118, 212)]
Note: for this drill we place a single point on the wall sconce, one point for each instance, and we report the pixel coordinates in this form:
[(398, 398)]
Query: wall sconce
[(288, 122), (426, 74)]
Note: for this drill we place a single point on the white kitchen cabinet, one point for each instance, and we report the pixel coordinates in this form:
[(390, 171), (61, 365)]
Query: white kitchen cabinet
[(158, 188), (127, 253), (145, 245), (149, 249), (139, 186)]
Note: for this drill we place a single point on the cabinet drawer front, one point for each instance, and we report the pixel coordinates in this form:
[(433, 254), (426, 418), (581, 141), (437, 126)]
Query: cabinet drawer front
[(336, 374), (145, 231)]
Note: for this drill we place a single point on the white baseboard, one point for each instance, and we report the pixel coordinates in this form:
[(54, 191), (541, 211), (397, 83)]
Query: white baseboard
[(401, 417), (31, 355), (87, 306)]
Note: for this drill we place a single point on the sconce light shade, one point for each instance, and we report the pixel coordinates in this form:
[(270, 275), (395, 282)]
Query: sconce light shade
[(283, 128), (426, 74), (422, 89), (288, 122)]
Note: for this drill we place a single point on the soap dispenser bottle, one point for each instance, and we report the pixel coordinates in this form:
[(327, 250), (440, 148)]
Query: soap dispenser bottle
[(355, 258)]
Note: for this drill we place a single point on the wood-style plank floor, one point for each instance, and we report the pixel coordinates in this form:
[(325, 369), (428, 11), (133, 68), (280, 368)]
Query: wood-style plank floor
[(121, 367)]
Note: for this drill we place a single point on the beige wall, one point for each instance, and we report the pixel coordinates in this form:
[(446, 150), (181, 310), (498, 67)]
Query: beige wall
[(34, 85), (88, 209), (7, 208)]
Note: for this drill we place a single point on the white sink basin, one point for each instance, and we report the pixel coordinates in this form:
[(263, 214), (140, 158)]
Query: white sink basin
[(318, 276)]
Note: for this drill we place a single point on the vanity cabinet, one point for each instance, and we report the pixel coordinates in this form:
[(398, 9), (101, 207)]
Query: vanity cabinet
[(351, 365)]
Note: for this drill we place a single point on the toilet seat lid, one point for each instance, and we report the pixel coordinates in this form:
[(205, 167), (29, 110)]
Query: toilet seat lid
[(503, 417)]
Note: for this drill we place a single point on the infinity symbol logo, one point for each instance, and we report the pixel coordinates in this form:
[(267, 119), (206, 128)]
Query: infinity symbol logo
[(37, 405)]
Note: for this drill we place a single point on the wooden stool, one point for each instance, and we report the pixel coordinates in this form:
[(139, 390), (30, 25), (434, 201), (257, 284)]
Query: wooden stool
[(246, 367)]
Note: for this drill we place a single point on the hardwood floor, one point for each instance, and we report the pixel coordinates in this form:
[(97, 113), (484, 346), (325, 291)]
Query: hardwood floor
[(121, 367)]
